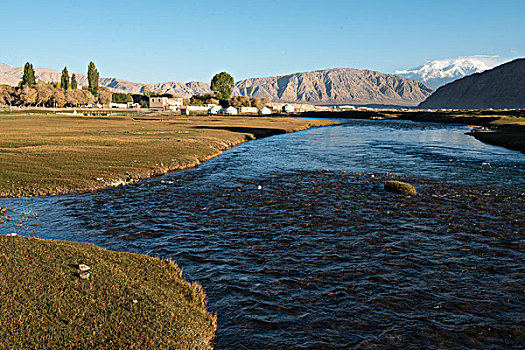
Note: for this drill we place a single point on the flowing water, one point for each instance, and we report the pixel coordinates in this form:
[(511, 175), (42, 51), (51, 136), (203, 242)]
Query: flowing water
[(298, 245)]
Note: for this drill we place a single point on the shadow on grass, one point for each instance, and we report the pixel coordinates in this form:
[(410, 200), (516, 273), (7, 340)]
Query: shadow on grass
[(256, 132)]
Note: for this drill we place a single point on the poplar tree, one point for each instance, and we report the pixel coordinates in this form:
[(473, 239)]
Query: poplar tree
[(64, 80), (29, 75), (74, 83), (92, 78)]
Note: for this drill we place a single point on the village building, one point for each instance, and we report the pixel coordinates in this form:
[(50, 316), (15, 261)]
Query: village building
[(288, 109), (231, 111), (248, 110), (170, 103), (118, 105), (214, 110), (265, 110)]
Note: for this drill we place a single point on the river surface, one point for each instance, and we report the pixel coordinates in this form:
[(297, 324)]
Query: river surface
[(297, 244)]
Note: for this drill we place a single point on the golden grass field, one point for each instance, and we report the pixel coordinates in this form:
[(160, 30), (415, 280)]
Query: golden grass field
[(56, 154), (129, 301)]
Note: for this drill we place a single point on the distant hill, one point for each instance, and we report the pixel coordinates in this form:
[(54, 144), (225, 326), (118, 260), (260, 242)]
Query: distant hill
[(500, 87), (4, 67), (337, 86), (329, 86), (440, 72)]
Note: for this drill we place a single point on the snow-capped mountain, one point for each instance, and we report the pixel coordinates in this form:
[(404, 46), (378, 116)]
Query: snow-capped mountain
[(440, 72)]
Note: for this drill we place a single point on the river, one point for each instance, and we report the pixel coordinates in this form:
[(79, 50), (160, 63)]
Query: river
[(297, 244)]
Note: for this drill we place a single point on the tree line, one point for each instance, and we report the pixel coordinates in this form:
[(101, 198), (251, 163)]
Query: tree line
[(65, 93)]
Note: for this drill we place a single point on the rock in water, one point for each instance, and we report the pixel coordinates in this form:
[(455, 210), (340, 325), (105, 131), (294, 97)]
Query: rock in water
[(400, 187)]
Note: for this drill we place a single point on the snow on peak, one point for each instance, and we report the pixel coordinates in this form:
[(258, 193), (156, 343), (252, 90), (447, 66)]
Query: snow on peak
[(440, 72)]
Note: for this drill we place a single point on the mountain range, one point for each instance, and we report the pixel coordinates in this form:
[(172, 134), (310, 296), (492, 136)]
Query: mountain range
[(440, 72), (329, 86), (500, 87)]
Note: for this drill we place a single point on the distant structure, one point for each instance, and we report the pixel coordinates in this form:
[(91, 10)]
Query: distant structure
[(248, 110), (118, 105), (288, 109), (265, 110), (231, 111), (173, 103), (214, 110)]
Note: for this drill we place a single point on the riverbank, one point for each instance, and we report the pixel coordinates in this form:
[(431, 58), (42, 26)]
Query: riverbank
[(504, 128), (128, 300), (56, 154)]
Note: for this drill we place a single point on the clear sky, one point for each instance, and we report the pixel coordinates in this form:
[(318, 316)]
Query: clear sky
[(153, 41)]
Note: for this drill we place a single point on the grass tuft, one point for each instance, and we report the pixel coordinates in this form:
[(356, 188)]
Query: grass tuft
[(400, 187)]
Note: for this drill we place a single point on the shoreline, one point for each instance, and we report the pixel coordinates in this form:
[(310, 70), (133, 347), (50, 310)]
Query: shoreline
[(215, 135)]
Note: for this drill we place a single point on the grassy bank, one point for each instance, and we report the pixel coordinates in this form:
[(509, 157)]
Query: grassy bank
[(505, 128), (130, 301), (58, 154)]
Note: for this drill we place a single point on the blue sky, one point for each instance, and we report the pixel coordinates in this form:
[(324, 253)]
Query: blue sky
[(153, 41)]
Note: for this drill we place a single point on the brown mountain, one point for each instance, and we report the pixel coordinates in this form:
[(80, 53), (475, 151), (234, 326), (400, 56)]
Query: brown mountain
[(337, 86), (330, 86), (500, 87)]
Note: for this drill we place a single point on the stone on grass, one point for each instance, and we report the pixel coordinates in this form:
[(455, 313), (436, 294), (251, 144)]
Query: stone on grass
[(399, 187)]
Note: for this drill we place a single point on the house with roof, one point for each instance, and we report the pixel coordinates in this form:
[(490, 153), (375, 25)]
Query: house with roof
[(231, 111), (265, 110), (166, 103)]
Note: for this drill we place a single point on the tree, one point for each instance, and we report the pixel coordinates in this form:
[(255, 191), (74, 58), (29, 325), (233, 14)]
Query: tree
[(240, 101), (44, 92), (27, 96), (64, 80), (222, 84), (121, 98), (7, 95), (205, 99), (74, 84), (93, 79), (104, 95), (58, 98), (28, 79)]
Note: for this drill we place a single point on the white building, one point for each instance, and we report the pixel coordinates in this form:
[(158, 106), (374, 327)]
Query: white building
[(265, 110), (247, 110), (166, 103), (118, 105), (214, 110), (230, 110), (288, 109)]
